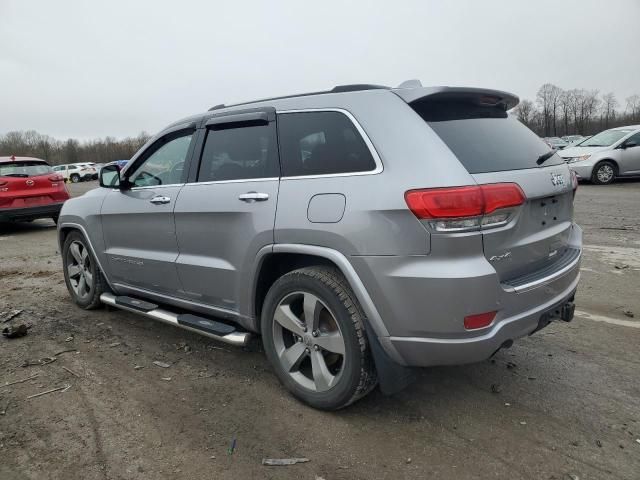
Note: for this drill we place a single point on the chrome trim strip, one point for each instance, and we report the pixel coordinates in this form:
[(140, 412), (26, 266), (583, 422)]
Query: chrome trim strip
[(171, 318), (149, 294), (133, 189), (77, 226), (374, 153), (544, 280), (241, 180)]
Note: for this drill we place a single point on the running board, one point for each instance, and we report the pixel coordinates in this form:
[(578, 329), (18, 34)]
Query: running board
[(204, 326)]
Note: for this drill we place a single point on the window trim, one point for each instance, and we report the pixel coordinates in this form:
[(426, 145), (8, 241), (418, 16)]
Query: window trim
[(144, 155), (372, 149)]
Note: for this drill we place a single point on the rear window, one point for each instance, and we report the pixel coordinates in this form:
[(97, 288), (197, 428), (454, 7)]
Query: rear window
[(484, 138), (24, 169), (321, 143)]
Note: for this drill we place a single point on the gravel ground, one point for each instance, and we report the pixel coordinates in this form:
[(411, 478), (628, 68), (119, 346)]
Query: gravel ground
[(561, 404)]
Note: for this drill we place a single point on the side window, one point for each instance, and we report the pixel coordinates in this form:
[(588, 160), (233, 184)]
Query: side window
[(321, 143), (635, 138), (165, 163), (239, 153)]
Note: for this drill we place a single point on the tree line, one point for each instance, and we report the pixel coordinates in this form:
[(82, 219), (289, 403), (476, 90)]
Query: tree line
[(59, 152), (558, 112)]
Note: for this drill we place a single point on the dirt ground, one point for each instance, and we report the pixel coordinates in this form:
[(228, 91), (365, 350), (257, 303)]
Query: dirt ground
[(562, 404)]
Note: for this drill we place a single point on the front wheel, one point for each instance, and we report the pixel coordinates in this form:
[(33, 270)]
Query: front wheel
[(313, 335), (75, 178), (82, 274), (604, 173)]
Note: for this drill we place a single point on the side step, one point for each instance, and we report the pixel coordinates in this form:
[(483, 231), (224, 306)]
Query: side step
[(204, 326)]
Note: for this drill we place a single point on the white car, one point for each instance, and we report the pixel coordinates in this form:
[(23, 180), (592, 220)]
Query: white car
[(75, 172), (605, 156), (91, 167)]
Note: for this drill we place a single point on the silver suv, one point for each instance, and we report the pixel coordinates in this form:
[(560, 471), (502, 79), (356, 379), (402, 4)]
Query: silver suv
[(361, 231)]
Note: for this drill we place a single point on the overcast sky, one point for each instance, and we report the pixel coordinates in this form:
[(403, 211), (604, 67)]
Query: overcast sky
[(89, 69)]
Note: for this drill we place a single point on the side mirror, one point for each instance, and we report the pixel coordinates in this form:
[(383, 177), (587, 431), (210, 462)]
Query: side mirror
[(110, 176), (629, 144)]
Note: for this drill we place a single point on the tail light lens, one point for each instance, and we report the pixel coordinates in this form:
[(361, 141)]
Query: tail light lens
[(466, 208), (482, 320), (56, 178)]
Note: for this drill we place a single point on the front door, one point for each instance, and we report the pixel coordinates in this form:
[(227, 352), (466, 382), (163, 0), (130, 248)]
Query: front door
[(630, 161), (138, 225), (225, 215)]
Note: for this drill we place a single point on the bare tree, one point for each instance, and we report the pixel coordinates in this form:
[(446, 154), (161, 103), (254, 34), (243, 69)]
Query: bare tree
[(525, 111), (609, 105), (548, 97), (633, 107)]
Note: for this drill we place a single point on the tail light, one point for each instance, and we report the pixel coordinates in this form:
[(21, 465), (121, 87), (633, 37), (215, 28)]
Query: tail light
[(466, 208), (56, 178)]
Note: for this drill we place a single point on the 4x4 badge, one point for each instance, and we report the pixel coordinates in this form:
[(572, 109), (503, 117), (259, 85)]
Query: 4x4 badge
[(557, 179)]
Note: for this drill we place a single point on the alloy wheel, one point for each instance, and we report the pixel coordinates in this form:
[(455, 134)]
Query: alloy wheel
[(308, 341), (605, 173), (79, 269)]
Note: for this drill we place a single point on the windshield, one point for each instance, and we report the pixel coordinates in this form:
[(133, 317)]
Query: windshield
[(24, 169), (606, 138)]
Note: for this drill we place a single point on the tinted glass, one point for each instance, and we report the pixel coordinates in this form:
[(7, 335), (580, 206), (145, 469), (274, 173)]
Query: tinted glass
[(633, 139), (321, 143), (165, 165), (239, 153), (484, 139), (24, 169)]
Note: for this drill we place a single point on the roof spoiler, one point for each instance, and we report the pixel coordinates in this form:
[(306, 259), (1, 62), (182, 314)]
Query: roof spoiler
[(480, 96)]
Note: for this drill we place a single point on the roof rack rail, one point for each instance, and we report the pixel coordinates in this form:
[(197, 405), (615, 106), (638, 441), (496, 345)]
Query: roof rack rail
[(337, 89)]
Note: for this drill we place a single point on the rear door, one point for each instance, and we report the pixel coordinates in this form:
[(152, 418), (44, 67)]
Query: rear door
[(226, 213), (496, 148), (138, 225)]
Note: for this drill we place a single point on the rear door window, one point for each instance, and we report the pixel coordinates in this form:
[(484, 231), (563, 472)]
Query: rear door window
[(239, 152), (484, 138), (321, 143)]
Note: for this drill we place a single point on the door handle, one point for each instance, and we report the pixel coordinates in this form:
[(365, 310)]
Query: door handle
[(160, 200), (251, 197)]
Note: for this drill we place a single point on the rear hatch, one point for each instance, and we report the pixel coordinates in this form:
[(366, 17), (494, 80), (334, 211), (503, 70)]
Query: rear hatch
[(29, 183), (496, 148)]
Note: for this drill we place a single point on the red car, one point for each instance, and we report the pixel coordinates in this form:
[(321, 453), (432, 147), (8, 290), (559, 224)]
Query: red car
[(30, 189)]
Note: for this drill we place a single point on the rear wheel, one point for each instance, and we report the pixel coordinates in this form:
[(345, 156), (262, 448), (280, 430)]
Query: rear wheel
[(604, 173), (82, 274), (75, 178), (313, 335)]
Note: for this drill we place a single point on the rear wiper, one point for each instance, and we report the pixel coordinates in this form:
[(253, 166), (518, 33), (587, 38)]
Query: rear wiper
[(15, 175), (545, 156)]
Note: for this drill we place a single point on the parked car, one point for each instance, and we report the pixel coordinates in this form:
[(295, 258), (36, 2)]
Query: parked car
[(572, 139), (29, 189), (374, 230), (607, 155), (74, 173), (556, 143), (90, 169)]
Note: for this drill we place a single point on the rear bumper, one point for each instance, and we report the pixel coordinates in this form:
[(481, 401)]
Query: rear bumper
[(422, 352), (423, 301), (31, 213)]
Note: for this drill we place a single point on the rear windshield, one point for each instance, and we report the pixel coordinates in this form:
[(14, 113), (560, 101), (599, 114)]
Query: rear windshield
[(484, 138), (24, 169)]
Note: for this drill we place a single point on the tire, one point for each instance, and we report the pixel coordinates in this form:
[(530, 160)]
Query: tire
[(75, 178), (311, 366), (604, 173), (75, 253)]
